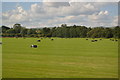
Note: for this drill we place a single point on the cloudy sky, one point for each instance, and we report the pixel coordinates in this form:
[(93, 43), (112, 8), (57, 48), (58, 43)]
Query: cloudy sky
[(50, 14)]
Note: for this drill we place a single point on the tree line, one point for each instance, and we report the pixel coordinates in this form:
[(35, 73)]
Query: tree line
[(63, 31)]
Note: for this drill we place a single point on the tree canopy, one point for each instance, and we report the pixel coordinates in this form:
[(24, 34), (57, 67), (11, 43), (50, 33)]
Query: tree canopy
[(63, 31)]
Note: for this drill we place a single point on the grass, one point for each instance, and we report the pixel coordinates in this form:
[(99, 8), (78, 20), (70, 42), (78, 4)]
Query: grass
[(61, 58), (0, 59)]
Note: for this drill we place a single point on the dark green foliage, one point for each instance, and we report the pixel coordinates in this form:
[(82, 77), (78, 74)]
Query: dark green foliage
[(4, 28), (17, 28), (10, 31), (108, 33), (23, 32), (116, 32), (46, 32), (96, 32), (64, 32)]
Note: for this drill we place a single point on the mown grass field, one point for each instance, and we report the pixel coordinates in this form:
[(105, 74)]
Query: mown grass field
[(61, 58), (0, 59)]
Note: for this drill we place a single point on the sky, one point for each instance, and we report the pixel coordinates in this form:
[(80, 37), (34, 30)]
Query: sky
[(51, 14)]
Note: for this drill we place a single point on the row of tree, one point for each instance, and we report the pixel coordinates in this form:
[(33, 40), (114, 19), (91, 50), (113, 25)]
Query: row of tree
[(63, 31)]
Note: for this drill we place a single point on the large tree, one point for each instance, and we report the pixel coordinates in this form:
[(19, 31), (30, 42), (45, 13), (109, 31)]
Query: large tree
[(17, 27), (116, 32)]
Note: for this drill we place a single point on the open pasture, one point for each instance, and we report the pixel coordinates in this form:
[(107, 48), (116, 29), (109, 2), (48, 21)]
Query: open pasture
[(0, 57), (59, 58)]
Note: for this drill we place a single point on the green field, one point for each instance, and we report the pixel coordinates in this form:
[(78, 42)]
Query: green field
[(61, 58), (0, 59)]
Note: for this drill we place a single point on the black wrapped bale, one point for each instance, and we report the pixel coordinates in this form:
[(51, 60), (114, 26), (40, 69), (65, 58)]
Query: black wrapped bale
[(33, 46)]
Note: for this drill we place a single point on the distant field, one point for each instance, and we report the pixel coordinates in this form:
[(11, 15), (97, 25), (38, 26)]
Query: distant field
[(60, 58)]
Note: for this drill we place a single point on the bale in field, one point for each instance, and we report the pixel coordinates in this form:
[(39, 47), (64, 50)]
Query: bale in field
[(33, 46), (86, 39), (52, 39), (116, 40), (100, 39), (95, 40), (112, 39), (92, 40), (0, 42), (38, 40)]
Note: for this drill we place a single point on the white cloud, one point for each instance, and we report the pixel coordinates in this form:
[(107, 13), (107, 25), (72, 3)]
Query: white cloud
[(103, 13), (54, 13), (17, 15), (56, 4), (115, 21)]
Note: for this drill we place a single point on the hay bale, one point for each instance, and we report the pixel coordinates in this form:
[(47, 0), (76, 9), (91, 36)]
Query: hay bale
[(92, 40), (112, 39), (38, 40), (33, 46), (95, 40), (52, 39)]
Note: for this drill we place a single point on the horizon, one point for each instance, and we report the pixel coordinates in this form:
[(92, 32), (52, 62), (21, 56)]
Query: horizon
[(61, 26)]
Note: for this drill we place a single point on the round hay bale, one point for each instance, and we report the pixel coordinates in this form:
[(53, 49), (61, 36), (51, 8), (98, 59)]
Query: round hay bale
[(38, 40), (52, 39), (33, 46)]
